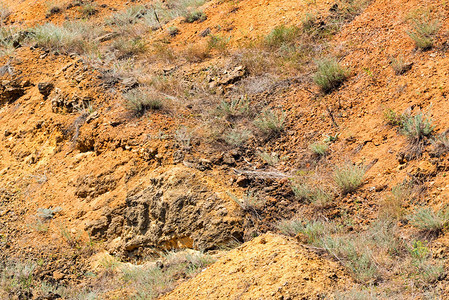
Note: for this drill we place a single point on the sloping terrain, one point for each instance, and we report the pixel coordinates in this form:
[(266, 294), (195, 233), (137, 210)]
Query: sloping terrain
[(268, 267), (139, 128)]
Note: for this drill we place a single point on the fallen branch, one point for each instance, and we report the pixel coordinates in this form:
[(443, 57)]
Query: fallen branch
[(261, 174)]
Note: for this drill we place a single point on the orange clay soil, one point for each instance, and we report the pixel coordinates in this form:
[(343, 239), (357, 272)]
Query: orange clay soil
[(268, 267), (109, 171)]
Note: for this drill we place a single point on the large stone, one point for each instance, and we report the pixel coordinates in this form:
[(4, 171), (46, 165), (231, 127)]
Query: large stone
[(177, 209)]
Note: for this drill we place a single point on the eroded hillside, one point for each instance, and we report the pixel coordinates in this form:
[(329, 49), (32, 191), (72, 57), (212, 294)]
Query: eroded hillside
[(143, 143)]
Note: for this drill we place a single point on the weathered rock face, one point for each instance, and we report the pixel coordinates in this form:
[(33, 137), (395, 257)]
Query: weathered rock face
[(178, 209), (10, 91), (66, 102)]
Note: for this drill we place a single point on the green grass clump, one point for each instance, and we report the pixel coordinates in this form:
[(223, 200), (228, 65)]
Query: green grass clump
[(130, 16), (428, 220), (319, 149), (314, 231), (233, 108), (195, 15), (237, 137), (128, 47), (349, 177), (415, 128), (424, 32), (355, 256), (282, 36), (140, 100), (316, 195), (330, 75), (270, 122), (88, 9), (72, 36)]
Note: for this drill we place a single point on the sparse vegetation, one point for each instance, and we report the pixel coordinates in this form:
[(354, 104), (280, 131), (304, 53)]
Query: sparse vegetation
[(128, 47), (441, 143), (140, 100), (417, 127), (72, 36), (429, 220), (313, 231), (218, 43), (233, 108), (5, 12), (424, 32), (195, 15), (357, 258), (319, 149), (130, 16), (393, 118), (330, 75), (282, 37), (183, 137), (88, 9), (173, 31), (237, 136), (270, 122), (270, 158), (349, 177), (150, 282), (400, 66), (52, 8), (249, 202), (318, 195)]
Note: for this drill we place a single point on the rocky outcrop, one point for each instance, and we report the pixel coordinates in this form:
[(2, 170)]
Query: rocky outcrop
[(178, 209), (10, 91)]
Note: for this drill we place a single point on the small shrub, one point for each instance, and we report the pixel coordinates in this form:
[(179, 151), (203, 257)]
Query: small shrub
[(195, 15), (130, 16), (270, 122), (270, 158), (140, 100), (426, 269), (316, 195), (173, 31), (128, 47), (424, 32), (52, 9), (237, 137), (5, 12), (392, 205), (314, 231), (415, 128), (330, 75), (150, 282), (349, 177), (400, 66), (428, 220), (249, 201), (319, 149), (358, 260), (47, 213), (72, 36), (235, 107), (88, 9), (282, 36), (196, 52), (441, 143), (7, 46), (183, 137), (309, 22), (218, 43), (393, 118)]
